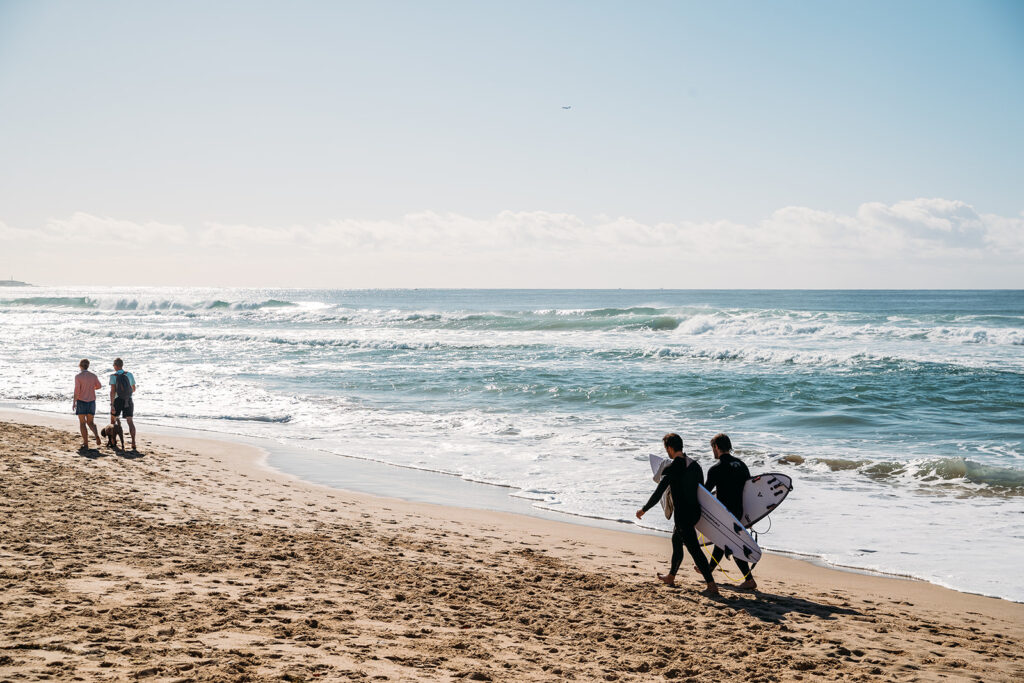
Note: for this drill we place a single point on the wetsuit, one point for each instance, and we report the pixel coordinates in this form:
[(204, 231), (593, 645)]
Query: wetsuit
[(682, 480), (728, 476)]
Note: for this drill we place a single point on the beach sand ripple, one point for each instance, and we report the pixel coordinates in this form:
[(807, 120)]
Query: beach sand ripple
[(174, 564)]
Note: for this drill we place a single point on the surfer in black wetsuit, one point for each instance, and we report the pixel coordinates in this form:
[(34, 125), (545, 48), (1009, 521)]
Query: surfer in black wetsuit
[(726, 479), (682, 478)]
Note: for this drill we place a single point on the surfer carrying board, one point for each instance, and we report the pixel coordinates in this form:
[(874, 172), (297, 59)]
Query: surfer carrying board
[(726, 478), (681, 477)]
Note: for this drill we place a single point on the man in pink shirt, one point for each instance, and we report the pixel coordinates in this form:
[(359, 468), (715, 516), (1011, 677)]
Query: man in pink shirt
[(84, 402)]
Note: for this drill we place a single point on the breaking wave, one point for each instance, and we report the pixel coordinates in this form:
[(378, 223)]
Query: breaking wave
[(370, 344), (674, 324), (135, 304), (680, 324), (929, 472)]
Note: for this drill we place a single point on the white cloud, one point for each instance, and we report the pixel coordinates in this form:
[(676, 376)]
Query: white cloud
[(87, 229), (1005, 235), (927, 232), (914, 229)]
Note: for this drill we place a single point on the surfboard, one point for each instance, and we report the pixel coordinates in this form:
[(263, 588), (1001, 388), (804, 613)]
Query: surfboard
[(659, 463), (716, 523), (762, 494)]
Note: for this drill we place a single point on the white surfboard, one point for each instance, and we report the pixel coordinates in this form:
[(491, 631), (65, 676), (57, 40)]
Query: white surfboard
[(762, 494), (658, 464), (716, 523)]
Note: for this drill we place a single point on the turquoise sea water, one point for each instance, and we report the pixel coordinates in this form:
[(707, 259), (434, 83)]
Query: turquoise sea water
[(900, 415)]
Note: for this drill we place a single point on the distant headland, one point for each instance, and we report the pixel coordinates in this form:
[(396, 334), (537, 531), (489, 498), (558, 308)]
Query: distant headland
[(14, 283)]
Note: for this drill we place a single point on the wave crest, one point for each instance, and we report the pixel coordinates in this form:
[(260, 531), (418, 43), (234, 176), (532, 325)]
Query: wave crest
[(943, 472), (677, 324), (136, 304)]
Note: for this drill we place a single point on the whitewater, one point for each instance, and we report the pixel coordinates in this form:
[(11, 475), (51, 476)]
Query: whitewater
[(899, 415)]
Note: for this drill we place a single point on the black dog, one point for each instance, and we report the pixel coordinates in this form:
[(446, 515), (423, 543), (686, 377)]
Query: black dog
[(111, 431)]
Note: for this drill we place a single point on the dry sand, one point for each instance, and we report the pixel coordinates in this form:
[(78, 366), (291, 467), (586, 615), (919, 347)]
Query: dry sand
[(192, 561)]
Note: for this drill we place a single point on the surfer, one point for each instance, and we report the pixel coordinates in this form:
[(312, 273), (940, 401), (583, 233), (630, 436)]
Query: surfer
[(726, 479), (682, 478)]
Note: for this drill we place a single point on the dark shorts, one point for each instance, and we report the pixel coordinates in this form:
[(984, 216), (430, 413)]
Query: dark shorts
[(85, 407), (120, 408)]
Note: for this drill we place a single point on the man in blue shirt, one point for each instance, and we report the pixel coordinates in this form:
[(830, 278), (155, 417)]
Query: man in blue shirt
[(122, 388)]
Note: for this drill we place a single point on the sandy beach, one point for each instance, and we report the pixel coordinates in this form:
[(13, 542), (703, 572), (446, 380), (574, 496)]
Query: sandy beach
[(192, 560)]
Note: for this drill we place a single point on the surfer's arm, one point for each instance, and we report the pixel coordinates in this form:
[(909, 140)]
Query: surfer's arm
[(712, 480), (658, 493)]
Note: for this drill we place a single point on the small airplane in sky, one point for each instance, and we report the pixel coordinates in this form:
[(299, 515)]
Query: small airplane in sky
[(569, 107)]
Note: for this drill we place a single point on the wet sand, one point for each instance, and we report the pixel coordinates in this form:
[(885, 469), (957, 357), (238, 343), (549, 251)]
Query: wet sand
[(191, 560)]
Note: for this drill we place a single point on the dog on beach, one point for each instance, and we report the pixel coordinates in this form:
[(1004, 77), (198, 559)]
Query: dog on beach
[(111, 432)]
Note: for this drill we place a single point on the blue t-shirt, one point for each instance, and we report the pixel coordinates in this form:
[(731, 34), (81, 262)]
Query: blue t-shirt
[(131, 378)]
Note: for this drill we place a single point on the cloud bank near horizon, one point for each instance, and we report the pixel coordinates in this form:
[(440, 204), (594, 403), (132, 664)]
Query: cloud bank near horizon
[(924, 232)]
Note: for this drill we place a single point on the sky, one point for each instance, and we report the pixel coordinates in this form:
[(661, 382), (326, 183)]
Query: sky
[(428, 144)]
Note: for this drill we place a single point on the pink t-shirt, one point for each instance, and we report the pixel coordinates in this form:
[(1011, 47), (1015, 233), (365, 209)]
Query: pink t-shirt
[(86, 385)]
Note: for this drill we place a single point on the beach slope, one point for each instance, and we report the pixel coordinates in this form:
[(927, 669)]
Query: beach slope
[(191, 560)]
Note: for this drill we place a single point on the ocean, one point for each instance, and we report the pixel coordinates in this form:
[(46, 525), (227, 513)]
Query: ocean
[(899, 414)]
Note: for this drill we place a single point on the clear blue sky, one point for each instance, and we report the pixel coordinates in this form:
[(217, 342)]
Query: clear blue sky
[(276, 114)]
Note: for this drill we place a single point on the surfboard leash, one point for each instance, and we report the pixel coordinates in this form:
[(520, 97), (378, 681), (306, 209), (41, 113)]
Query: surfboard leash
[(769, 518), (712, 563)]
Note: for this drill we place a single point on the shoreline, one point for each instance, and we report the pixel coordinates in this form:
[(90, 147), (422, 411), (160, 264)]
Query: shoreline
[(194, 559), (580, 397), (403, 483), (500, 501)]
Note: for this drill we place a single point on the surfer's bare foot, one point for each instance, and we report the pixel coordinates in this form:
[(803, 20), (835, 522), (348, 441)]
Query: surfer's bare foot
[(748, 585), (712, 589), (667, 579)]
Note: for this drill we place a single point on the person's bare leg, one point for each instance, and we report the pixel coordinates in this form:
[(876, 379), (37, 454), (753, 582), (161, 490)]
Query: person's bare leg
[(85, 432), (749, 585), (667, 579), (712, 589), (131, 430), (95, 432)]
